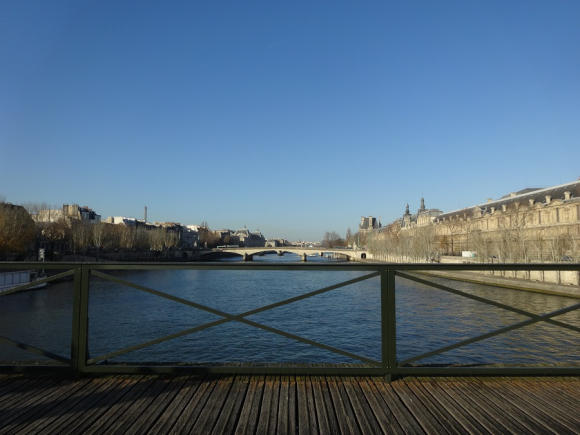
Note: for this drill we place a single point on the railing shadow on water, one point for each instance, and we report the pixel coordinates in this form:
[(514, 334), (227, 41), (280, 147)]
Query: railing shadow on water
[(388, 364)]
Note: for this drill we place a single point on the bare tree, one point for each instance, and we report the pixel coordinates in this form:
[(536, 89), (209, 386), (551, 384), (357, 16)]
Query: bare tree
[(17, 229), (332, 240), (98, 234), (81, 235)]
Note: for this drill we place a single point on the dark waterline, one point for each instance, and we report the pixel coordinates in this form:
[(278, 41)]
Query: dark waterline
[(346, 318)]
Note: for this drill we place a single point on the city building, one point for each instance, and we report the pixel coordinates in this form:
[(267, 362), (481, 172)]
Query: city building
[(424, 216), (250, 239), (368, 224), (527, 225), (68, 213)]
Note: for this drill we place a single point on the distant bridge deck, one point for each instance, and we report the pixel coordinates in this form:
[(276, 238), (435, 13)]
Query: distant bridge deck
[(287, 404), (248, 252)]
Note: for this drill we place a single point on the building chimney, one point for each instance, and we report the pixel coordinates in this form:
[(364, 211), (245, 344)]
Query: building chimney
[(492, 210), (567, 195), (548, 199), (504, 207), (145, 215)]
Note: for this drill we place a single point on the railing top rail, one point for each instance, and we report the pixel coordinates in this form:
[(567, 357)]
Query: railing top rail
[(351, 266)]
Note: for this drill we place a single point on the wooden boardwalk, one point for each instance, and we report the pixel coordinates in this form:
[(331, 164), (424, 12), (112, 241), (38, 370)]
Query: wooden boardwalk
[(287, 404)]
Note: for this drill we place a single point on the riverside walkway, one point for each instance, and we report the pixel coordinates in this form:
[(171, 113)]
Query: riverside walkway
[(288, 404)]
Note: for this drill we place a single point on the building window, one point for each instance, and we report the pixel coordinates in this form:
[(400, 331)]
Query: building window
[(539, 218), (557, 215), (578, 212)]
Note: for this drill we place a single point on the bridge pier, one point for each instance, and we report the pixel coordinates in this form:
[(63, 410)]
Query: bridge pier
[(304, 256), (248, 257), (280, 253)]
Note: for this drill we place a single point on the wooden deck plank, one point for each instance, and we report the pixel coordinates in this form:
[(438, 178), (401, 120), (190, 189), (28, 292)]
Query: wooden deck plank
[(527, 402), (18, 382), (83, 408), (543, 402), (213, 406), (174, 409), (383, 414), (556, 392), (329, 404), (346, 419), (443, 416), (285, 404), (282, 422), (491, 407), (63, 409), (230, 413), (133, 414), (249, 414), (516, 411), (92, 410), (365, 418), (312, 419), (461, 395), (404, 417), (303, 410), (119, 407), (422, 413), (292, 406), (35, 407), (157, 406), (319, 409), (22, 390), (194, 408), (455, 406)]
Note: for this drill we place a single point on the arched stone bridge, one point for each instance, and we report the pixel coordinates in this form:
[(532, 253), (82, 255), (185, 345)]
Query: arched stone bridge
[(248, 253)]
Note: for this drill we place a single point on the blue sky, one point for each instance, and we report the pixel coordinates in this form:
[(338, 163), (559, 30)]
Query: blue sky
[(294, 118)]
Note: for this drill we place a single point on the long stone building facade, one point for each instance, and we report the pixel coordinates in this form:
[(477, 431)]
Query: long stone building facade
[(534, 224)]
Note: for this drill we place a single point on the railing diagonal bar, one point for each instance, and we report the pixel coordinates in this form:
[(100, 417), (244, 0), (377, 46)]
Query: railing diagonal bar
[(156, 341), (34, 349), (485, 301), (503, 330), (310, 342), (240, 318), (309, 294), (37, 282), (161, 294)]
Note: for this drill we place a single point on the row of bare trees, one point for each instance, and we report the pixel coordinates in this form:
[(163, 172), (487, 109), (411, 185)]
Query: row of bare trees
[(81, 236), (507, 244)]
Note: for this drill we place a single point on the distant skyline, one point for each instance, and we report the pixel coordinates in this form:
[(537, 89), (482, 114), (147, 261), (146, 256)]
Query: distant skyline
[(292, 118)]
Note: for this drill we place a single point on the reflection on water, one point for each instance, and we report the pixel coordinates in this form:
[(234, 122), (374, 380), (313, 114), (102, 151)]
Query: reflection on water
[(347, 318)]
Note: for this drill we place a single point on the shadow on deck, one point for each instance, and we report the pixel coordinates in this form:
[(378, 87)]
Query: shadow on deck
[(287, 404)]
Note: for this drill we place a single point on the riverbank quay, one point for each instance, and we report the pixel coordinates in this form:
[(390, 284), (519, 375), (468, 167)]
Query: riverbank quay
[(288, 404), (545, 281), (571, 291)]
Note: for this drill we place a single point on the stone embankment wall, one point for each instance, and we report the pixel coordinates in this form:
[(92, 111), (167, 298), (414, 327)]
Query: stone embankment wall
[(564, 277)]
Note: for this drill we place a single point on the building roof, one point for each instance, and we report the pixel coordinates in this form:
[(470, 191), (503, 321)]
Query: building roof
[(538, 195)]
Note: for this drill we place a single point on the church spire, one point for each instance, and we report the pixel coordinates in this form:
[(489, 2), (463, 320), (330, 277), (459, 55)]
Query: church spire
[(422, 208)]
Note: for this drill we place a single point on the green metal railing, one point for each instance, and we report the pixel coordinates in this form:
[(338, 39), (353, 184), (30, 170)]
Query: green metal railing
[(80, 362)]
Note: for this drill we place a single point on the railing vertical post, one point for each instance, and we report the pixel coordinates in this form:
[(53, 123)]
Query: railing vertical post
[(388, 322), (79, 344)]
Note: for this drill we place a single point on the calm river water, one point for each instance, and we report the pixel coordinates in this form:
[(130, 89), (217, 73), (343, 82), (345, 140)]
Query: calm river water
[(347, 318)]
